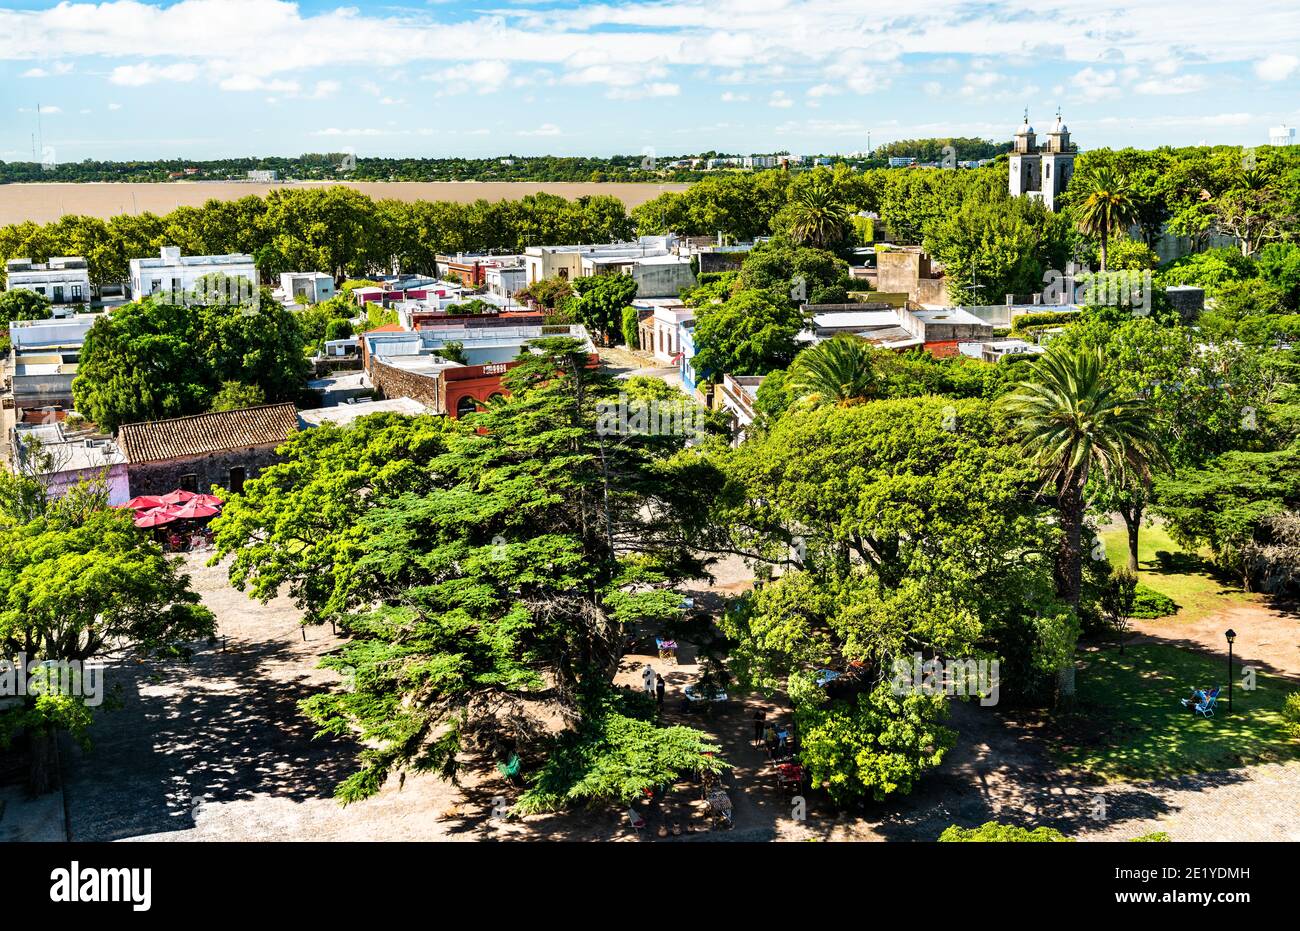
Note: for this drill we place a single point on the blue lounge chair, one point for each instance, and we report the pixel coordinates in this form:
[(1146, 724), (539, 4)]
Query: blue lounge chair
[(1203, 703)]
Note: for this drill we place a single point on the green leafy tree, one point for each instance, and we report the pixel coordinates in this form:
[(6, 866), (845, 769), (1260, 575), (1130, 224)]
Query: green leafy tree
[(750, 334), (77, 582), (155, 359), (838, 371), (235, 395), (1223, 505), (1071, 420), (22, 304), (629, 327), (993, 832), (487, 581), (816, 215), (601, 300), (993, 248), (1105, 206)]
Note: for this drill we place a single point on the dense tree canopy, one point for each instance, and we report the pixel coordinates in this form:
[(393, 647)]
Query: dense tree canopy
[(484, 571), (155, 359), (78, 581)]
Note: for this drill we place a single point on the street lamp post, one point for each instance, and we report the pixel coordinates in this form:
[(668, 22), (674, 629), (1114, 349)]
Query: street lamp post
[(1231, 635)]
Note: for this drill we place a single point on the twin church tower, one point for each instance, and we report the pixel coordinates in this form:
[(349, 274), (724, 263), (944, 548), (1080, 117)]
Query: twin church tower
[(1041, 171)]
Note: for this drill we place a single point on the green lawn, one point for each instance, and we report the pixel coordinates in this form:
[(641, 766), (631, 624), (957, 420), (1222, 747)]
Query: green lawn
[(1184, 577), (1130, 724)]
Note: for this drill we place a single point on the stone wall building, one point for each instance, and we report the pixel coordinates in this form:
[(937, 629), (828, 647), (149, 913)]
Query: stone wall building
[(222, 448), (909, 270)]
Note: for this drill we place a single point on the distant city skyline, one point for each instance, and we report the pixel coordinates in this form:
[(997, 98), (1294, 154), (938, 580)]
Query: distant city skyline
[(223, 78)]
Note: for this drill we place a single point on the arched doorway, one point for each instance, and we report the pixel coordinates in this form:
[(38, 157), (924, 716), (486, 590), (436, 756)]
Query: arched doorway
[(466, 406)]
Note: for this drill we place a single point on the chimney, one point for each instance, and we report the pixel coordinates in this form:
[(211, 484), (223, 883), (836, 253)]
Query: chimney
[(171, 254), (1011, 299)]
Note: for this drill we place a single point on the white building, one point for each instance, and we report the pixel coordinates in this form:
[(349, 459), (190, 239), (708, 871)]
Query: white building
[(43, 359), (660, 331), (175, 273), (60, 457), (306, 287), (738, 395), (65, 280), (504, 280), (1281, 135), (995, 350), (262, 176), (654, 262)]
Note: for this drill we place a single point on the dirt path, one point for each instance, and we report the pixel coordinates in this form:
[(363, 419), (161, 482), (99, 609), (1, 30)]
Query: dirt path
[(1267, 637), (216, 750)]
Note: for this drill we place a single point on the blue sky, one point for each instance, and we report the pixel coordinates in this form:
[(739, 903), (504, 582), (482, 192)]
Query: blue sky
[(213, 78)]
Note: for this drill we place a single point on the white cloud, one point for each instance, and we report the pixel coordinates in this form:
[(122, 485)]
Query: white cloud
[(780, 100), (1094, 84), (248, 82), (649, 90), (481, 77), (59, 67), (145, 73), (732, 97), (1277, 67), (1177, 84), (546, 129)]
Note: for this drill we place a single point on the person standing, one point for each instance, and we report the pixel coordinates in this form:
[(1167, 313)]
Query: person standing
[(760, 718), (660, 686)]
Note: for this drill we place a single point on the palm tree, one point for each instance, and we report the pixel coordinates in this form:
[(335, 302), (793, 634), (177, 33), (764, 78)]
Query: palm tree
[(1107, 206), (817, 215), (838, 371), (1071, 420)]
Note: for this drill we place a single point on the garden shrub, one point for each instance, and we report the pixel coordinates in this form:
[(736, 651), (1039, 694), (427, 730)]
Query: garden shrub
[(992, 832), (1149, 603)]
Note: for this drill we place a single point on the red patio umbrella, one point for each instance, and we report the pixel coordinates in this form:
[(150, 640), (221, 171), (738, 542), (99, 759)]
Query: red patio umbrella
[(193, 509), (156, 518), (144, 503), (210, 500), (179, 496)]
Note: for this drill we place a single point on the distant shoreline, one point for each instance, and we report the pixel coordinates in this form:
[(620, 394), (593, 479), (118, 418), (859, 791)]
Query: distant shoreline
[(46, 201)]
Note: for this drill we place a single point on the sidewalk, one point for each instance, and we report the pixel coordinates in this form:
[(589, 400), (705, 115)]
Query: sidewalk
[(23, 818)]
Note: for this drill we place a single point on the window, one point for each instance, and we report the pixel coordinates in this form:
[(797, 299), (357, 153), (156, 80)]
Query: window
[(76, 292), (190, 482), (154, 285), (236, 479)]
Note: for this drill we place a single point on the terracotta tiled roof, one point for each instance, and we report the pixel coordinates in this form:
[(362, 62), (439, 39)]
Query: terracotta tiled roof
[(207, 433), (388, 328)]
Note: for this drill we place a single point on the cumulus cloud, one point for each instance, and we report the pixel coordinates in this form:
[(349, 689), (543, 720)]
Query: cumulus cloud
[(57, 68), (1277, 67), (1174, 84), (480, 77), (144, 73)]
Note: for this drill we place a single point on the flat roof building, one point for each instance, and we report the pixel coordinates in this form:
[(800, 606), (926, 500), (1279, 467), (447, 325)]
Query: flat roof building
[(64, 279), (177, 274)]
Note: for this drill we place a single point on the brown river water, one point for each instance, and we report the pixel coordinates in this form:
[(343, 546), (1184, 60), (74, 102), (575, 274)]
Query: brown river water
[(46, 202)]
